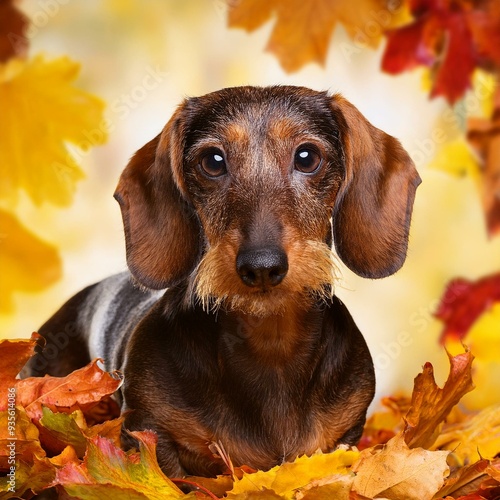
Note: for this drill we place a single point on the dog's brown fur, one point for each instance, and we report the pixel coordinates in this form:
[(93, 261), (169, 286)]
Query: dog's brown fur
[(270, 363)]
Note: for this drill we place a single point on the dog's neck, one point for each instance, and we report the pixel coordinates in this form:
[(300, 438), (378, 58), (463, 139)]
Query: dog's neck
[(276, 339), (289, 334)]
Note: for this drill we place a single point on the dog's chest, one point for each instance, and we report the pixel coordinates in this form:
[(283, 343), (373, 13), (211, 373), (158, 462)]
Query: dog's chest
[(266, 421)]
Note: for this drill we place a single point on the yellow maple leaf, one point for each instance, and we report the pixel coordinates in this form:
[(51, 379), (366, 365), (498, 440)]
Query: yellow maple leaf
[(303, 29), (42, 112), (287, 479), (27, 263), (475, 438)]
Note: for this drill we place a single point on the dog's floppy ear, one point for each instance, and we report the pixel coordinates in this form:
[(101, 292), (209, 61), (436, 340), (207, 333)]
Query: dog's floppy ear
[(372, 213), (161, 231)]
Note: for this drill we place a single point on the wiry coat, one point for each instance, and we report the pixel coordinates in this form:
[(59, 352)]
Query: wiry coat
[(233, 209)]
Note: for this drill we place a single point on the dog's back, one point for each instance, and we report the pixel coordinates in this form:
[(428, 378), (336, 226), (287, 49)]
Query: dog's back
[(90, 325)]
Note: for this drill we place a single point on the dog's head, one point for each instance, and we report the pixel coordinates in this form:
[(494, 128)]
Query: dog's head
[(244, 188)]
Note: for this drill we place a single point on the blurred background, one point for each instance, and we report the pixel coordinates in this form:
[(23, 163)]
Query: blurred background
[(137, 61)]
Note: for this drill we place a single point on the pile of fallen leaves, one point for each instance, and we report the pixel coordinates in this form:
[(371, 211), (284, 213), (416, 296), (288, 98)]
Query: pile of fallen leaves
[(56, 433)]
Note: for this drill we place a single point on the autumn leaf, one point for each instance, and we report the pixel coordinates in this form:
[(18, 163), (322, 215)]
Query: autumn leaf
[(476, 437), (28, 264), (484, 136), (42, 112), (82, 389), (395, 471), (108, 472), (286, 479), (29, 478), (475, 154), (452, 38), (482, 340), (24, 433), (430, 405), (13, 24), (463, 302), (303, 30), (464, 480), (14, 354), (61, 430), (58, 430)]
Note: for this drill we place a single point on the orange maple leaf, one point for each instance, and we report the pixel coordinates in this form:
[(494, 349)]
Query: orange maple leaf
[(430, 405), (303, 29), (83, 389)]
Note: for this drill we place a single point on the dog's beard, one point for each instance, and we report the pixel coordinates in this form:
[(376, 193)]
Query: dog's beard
[(310, 279)]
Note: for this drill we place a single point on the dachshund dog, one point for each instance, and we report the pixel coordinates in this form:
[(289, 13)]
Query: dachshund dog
[(227, 329)]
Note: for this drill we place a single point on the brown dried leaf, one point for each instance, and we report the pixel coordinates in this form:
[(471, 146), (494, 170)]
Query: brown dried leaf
[(430, 405), (493, 469), (395, 471), (484, 136), (13, 24), (14, 354), (464, 480)]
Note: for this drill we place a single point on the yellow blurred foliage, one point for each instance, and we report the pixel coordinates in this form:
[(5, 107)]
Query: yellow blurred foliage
[(27, 263), (457, 158), (476, 438), (483, 340), (42, 113)]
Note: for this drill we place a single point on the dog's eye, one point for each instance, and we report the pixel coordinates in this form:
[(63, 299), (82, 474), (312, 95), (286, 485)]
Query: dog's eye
[(213, 164), (306, 160)]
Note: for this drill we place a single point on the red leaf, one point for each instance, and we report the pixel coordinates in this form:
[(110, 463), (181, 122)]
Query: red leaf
[(407, 47), (453, 77), (452, 37), (463, 302), (485, 28)]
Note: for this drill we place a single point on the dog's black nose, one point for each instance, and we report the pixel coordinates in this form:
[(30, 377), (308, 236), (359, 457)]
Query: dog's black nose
[(262, 267)]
